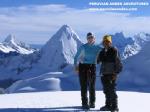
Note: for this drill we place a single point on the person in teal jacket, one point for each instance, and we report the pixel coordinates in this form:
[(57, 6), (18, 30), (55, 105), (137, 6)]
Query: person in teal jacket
[(85, 63)]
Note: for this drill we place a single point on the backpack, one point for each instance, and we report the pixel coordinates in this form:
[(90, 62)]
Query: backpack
[(118, 64)]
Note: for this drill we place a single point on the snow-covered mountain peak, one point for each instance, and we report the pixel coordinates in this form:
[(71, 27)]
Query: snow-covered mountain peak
[(130, 46), (120, 40), (10, 39), (11, 44), (65, 28), (65, 32), (126, 45), (119, 34), (62, 36), (141, 38), (61, 48)]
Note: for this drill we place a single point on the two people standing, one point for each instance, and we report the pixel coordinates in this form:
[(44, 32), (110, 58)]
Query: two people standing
[(88, 56)]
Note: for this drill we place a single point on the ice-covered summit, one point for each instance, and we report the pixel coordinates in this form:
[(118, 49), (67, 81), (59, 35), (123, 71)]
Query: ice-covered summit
[(60, 50)]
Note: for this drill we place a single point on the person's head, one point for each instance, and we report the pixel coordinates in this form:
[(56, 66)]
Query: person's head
[(107, 41), (90, 38)]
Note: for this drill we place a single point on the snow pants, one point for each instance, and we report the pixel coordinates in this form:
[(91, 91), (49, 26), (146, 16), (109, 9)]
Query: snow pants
[(109, 89), (87, 77)]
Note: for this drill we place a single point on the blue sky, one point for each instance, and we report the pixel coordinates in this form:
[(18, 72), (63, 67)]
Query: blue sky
[(72, 3), (35, 21), (80, 4)]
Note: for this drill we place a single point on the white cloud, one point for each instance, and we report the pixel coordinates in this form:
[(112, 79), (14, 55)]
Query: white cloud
[(36, 24)]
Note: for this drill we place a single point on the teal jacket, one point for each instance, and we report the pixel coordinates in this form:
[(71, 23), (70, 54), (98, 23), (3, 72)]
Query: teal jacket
[(87, 54)]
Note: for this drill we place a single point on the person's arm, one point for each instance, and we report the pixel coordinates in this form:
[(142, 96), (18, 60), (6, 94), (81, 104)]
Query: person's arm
[(116, 55), (77, 55), (98, 54), (99, 57)]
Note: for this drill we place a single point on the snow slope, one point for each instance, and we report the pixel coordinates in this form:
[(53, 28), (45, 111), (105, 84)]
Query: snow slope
[(69, 101), (52, 81), (44, 82)]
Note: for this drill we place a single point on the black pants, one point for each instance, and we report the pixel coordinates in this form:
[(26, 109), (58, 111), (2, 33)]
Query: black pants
[(87, 77), (109, 89)]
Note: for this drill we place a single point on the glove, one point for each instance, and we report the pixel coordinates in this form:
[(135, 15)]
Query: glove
[(77, 69), (114, 77)]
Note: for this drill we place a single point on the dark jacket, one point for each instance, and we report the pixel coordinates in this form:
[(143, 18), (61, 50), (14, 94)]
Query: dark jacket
[(108, 59)]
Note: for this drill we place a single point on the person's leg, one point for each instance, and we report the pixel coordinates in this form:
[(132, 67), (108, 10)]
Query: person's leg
[(92, 78), (109, 88), (113, 95), (83, 84), (106, 89)]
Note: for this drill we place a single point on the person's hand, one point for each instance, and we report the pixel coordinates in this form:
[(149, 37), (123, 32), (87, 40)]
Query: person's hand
[(114, 77), (77, 69)]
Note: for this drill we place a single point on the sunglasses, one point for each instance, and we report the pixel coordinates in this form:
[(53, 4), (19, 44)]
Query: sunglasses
[(90, 37)]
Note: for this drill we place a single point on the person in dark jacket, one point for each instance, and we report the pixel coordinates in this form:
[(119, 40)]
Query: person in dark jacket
[(107, 57), (87, 58)]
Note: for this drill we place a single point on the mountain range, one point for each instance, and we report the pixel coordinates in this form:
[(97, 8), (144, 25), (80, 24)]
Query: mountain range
[(52, 65)]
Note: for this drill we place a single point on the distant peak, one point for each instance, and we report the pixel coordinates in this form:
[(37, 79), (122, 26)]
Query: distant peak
[(65, 32), (9, 39), (120, 34), (143, 36), (66, 26)]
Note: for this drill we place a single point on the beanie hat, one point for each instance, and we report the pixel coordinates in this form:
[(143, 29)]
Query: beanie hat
[(89, 35), (107, 38)]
